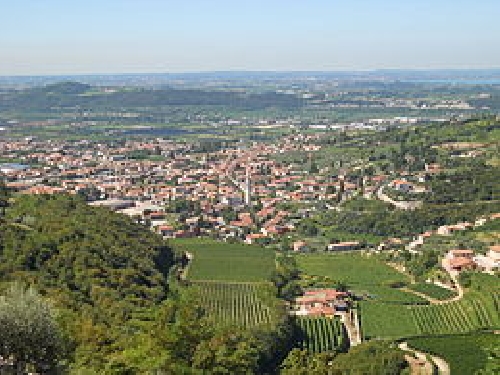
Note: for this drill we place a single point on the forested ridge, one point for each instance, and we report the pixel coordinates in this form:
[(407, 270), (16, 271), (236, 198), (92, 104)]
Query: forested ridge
[(107, 278), (72, 94)]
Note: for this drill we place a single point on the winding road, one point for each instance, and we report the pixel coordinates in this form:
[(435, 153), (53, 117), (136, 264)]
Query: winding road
[(442, 365)]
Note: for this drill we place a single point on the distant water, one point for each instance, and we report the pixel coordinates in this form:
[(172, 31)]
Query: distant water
[(457, 81), (14, 166)]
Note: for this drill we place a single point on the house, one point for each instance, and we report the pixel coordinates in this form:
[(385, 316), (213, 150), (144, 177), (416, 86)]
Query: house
[(490, 262), (343, 246), (320, 302), (166, 230), (255, 238), (459, 260), (300, 246), (446, 230), (402, 185)]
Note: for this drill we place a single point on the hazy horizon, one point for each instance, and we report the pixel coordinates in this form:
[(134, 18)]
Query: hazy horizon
[(57, 37)]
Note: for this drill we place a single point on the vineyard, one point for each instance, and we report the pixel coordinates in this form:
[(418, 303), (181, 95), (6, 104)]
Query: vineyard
[(220, 261), (479, 308), (472, 312), (321, 334), (234, 303), (433, 291)]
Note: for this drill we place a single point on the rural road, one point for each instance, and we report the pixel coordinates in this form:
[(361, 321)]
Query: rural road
[(442, 365)]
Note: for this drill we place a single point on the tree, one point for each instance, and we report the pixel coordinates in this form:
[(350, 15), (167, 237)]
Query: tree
[(4, 196), (29, 332)]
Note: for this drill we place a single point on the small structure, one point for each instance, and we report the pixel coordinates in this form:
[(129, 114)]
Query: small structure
[(300, 246), (446, 230), (490, 262), (343, 246), (320, 302), (459, 260)]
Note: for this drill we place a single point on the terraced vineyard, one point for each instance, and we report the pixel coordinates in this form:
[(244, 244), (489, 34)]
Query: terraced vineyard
[(234, 303), (479, 308), (321, 334), (433, 291)]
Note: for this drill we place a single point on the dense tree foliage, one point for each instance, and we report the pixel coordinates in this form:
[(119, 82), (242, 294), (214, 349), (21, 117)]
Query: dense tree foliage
[(30, 335), (101, 268), (377, 358)]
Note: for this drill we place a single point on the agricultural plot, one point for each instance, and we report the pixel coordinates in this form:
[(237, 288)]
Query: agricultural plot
[(478, 309), (466, 354), (354, 269), (433, 291), (382, 320), (321, 334), (364, 275), (219, 261), (238, 304)]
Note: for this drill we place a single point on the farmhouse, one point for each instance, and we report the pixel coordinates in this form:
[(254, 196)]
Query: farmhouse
[(459, 260), (402, 185), (320, 302), (300, 246), (490, 262)]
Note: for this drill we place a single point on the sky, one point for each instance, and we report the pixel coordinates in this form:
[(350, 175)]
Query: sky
[(51, 37)]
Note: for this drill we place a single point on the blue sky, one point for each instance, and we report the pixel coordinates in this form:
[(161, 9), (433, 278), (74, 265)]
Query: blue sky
[(117, 36)]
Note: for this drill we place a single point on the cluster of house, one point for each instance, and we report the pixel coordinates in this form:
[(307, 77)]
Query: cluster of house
[(229, 179), (458, 260), (320, 302)]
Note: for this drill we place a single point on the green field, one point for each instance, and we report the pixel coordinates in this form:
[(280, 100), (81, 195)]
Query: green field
[(466, 354), (220, 261), (240, 304), (354, 269), (478, 309), (433, 291), (382, 320), (364, 275), (321, 334)]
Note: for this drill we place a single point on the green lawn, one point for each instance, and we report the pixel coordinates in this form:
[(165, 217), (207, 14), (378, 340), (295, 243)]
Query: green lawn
[(466, 354), (220, 261)]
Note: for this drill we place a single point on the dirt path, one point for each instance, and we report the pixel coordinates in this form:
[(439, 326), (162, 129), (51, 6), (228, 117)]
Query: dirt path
[(431, 300), (442, 365)]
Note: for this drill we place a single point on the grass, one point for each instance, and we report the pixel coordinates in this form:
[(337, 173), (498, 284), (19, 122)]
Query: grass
[(466, 354), (364, 275), (433, 291), (220, 261), (382, 320), (354, 269)]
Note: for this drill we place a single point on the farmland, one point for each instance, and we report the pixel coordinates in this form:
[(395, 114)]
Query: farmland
[(478, 309), (218, 261), (466, 354), (238, 304), (433, 291), (386, 320), (354, 269), (321, 334), (364, 275)]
